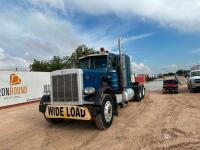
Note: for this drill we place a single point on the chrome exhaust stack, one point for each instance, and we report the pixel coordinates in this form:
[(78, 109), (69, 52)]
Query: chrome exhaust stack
[(122, 67), (127, 93)]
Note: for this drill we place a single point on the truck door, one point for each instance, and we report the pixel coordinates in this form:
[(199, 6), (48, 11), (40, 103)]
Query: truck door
[(113, 73)]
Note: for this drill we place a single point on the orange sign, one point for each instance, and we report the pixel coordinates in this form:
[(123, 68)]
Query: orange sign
[(14, 90), (14, 79)]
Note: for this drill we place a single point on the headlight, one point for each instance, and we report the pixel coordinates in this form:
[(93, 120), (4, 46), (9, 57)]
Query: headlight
[(89, 90)]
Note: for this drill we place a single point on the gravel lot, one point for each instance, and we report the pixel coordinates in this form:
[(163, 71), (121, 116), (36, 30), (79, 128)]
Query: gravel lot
[(159, 122)]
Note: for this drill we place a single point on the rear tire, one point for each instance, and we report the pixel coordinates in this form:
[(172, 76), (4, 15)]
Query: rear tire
[(104, 119), (143, 92), (138, 95)]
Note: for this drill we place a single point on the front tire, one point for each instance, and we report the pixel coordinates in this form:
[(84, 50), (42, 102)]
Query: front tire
[(104, 119)]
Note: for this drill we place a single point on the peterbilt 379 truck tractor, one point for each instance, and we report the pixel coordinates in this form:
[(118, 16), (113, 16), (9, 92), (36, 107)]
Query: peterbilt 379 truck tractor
[(92, 91)]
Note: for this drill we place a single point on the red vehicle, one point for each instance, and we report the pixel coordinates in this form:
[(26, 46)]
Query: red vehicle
[(170, 86), (140, 79)]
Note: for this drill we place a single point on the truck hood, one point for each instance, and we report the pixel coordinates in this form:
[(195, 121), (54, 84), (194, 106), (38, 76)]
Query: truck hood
[(92, 77)]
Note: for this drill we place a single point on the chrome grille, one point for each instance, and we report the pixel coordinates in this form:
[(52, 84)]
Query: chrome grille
[(65, 88), (197, 80)]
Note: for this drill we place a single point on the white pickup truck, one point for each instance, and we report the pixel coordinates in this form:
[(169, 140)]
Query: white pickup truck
[(194, 80)]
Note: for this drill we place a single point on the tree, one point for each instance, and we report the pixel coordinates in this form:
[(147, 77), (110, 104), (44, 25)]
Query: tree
[(40, 66), (182, 72), (171, 74), (80, 51), (179, 72), (57, 62)]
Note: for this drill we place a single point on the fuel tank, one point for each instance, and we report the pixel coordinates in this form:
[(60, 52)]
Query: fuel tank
[(128, 94)]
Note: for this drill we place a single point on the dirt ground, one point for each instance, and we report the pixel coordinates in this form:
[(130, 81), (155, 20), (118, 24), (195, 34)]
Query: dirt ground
[(159, 122)]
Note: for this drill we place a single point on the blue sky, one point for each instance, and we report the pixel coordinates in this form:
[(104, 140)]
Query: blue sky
[(159, 35)]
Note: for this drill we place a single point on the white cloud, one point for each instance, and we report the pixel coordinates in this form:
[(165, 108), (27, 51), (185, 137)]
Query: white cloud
[(111, 43), (27, 54), (10, 62), (140, 68), (25, 36), (42, 35), (56, 4), (182, 15), (173, 66), (2, 55), (137, 37)]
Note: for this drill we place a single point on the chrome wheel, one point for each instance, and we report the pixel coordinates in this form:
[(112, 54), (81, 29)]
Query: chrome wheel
[(104, 119), (108, 111)]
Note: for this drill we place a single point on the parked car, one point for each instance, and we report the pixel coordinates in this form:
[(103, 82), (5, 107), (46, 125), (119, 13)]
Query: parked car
[(170, 86), (193, 80)]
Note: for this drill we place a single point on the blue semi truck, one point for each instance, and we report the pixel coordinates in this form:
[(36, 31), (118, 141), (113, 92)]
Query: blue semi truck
[(93, 90)]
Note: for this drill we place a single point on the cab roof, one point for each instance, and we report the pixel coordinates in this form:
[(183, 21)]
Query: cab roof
[(96, 54)]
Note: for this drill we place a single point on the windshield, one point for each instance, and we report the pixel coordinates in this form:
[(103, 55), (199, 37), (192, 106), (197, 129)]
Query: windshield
[(196, 73), (84, 63), (93, 62)]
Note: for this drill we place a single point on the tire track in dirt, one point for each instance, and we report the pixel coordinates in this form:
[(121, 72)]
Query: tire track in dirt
[(138, 109), (171, 133), (169, 114), (86, 142), (165, 123), (193, 145)]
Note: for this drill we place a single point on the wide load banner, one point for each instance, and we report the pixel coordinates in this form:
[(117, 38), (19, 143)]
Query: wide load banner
[(22, 87)]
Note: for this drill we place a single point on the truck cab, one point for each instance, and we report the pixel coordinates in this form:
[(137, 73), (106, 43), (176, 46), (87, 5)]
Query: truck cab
[(91, 91), (99, 69)]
